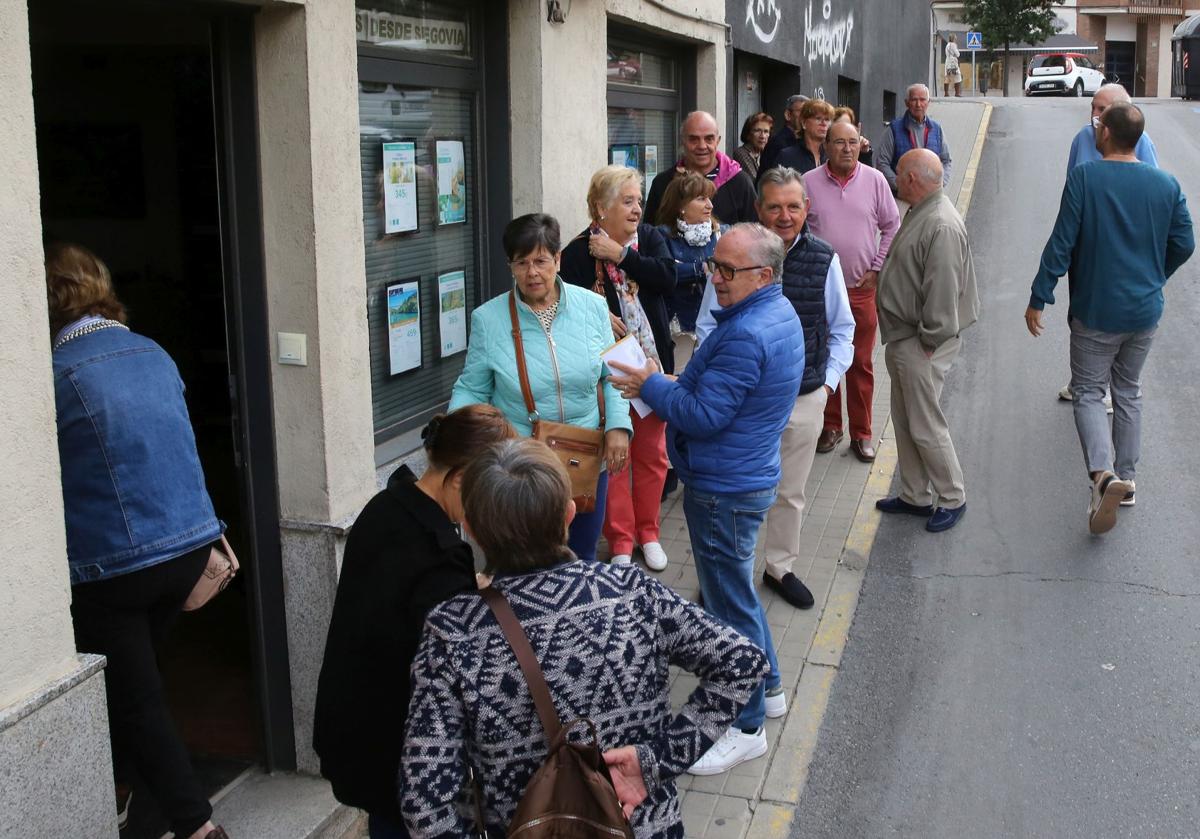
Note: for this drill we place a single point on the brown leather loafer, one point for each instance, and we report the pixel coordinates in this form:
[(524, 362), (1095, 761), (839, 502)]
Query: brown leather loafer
[(863, 450), (217, 833), (829, 439)]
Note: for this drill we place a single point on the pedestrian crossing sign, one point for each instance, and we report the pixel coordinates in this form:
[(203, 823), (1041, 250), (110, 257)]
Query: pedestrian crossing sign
[(974, 40)]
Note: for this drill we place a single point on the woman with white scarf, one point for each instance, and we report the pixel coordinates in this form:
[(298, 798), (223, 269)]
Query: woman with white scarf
[(628, 263), (686, 220)]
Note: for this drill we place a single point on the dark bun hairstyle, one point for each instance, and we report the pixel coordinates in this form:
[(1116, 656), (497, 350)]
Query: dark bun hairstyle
[(453, 440)]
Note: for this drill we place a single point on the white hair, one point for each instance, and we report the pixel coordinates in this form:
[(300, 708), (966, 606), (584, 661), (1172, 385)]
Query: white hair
[(764, 247), (908, 92)]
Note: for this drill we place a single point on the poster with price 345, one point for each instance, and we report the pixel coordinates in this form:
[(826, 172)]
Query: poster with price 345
[(399, 187)]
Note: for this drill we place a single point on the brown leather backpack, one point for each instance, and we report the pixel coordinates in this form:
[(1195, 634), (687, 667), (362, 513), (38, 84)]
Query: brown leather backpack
[(571, 795)]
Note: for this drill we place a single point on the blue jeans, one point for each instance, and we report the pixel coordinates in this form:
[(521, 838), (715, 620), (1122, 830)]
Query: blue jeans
[(382, 827), (724, 530), (584, 533)]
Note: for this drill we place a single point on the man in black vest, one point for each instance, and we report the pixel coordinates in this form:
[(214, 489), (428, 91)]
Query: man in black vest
[(813, 282)]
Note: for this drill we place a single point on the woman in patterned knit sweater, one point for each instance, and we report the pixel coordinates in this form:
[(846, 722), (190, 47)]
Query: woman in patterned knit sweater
[(605, 637)]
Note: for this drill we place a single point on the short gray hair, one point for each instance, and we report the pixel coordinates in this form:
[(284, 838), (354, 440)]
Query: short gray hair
[(794, 98), (1120, 94), (915, 86), (515, 497), (764, 247), (780, 176)]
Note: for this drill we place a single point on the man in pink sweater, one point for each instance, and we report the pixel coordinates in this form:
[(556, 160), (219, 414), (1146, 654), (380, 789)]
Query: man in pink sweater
[(852, 208)]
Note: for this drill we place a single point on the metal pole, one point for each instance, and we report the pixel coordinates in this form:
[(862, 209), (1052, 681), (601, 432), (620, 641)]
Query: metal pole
[(974, 75)]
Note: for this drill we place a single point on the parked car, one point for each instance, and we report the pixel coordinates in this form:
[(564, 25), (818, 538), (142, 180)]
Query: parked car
[(1066, 73)]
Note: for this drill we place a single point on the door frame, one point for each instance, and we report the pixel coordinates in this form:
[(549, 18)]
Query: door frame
[(235, 110)]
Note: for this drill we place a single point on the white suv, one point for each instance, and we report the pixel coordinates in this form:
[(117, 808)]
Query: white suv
[(1066, 73)]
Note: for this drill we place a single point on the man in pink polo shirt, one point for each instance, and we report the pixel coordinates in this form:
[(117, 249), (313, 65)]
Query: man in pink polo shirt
[(852, 208)]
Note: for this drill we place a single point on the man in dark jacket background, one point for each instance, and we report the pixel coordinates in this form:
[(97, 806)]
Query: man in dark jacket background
[(700, 139), (724, 417), (788, 135)]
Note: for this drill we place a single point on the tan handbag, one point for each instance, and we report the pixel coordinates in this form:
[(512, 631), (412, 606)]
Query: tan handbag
[(222, 567), (571, 794), (581, 450)]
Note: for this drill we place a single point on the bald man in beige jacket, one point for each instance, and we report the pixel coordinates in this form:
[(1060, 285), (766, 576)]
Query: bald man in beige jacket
[(926, 298)]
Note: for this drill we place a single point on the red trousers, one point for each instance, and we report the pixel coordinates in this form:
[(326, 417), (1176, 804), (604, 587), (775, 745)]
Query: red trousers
[(860, 378), (635, 495)]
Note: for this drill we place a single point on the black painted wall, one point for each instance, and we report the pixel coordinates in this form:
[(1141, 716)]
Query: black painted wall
[(882, 45)]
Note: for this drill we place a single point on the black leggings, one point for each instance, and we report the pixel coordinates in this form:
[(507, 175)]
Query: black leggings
[(124, 619)]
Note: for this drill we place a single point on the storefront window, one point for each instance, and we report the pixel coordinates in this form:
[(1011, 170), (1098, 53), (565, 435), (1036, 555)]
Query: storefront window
[(422, 25), (643, 107), (631, 65), (420, 222)]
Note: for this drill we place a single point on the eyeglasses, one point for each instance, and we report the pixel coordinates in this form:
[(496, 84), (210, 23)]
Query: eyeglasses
[(541, 263), (727, 271)]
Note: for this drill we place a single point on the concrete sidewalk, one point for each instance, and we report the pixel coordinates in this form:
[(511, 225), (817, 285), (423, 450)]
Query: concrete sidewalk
[(757, 798)]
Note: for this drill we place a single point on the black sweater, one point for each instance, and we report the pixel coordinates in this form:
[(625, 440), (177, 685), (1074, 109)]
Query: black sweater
[(403, 557), (651, 266)]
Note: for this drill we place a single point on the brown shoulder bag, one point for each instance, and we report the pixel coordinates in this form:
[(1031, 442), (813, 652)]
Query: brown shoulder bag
[(581, 450), (571, 795)]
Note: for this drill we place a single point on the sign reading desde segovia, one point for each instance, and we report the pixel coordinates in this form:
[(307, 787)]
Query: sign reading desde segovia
[(410, 32)]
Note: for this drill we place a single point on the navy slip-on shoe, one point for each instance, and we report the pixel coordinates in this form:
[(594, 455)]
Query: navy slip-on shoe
[(899, 505), (791, 589), (944, 518)]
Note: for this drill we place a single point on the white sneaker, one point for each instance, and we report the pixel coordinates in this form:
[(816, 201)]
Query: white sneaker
[(620, 559), (776, 702), (1107, 493), (656, 557), (734, 747), (1065, 394), (1130, 499)]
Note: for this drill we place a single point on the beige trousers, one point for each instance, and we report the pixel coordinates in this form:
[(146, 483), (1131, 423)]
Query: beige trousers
[(797, 448), (924, 449)]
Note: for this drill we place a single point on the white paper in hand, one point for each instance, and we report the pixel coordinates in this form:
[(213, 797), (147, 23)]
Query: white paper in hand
[(627, 351)]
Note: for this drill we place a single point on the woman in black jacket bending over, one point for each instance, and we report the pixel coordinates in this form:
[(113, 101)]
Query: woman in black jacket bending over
[(629, 263), (404, 556)]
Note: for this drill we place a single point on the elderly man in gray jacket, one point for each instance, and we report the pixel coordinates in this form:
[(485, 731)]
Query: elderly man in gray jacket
[(926, 297)]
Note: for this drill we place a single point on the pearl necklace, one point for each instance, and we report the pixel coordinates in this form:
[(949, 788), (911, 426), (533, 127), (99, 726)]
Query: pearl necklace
[(87, 329)]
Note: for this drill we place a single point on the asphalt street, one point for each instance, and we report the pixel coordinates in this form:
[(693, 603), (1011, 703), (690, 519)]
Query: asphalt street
[(1017, 676)]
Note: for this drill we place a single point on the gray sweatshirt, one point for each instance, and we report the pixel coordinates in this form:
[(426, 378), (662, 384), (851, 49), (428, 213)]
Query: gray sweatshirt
[(927, 284)]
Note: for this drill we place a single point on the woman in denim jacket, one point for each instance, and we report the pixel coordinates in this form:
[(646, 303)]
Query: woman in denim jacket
[(139, 520)]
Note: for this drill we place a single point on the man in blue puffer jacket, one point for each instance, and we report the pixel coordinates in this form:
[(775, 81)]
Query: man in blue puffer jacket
[(725, 416)]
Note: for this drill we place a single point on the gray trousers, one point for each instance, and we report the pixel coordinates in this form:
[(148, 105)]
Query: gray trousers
[(1101, 360), (924, 451)]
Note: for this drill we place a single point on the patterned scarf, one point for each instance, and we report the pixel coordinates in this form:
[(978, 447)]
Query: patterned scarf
[(632, 312)]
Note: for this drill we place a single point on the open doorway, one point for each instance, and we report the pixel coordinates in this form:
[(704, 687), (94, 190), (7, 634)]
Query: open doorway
[(130, 156)]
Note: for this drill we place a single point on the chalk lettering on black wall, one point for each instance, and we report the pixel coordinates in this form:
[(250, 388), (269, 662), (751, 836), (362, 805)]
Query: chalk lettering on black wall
[(827, 40), (768, 10)]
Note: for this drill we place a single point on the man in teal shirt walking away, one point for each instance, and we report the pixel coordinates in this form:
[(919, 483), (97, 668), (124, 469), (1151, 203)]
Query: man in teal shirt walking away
[(1122, 229)]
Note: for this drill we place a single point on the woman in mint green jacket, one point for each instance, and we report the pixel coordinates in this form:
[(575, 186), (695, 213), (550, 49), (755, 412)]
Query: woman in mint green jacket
[(564, 329)]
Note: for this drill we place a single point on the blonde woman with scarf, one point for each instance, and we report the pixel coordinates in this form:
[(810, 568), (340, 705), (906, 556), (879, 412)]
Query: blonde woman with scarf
[(628, 263)]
